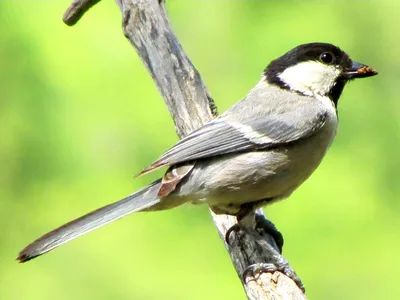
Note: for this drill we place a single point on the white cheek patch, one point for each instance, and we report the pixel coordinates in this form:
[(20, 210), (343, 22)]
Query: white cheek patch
[(311, 78)]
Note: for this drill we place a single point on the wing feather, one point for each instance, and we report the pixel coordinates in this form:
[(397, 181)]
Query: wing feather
[(228, 135)]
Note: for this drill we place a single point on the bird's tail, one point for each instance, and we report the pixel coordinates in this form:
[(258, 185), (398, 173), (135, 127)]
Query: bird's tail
[(143, 199)]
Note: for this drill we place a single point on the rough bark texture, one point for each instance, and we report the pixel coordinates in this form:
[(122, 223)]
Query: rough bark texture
[(146, 25)]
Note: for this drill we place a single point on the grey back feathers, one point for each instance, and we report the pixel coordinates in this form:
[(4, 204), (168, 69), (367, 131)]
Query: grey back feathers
[(265, 119)]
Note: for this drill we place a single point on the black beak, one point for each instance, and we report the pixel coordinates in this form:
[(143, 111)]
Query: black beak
[(358, 70)]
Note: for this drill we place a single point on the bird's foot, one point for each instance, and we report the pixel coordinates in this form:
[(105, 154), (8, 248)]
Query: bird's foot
[(263, 226), (265, 240), (234, 229), (280, 265)]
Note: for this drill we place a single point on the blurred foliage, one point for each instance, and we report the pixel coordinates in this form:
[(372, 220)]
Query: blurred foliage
[(80, 115)]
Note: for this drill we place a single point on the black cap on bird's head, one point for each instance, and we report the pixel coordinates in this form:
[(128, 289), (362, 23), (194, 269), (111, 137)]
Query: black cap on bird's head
[(315, 69)]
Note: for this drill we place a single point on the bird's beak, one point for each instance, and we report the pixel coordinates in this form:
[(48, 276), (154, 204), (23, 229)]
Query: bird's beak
[(358, 70)]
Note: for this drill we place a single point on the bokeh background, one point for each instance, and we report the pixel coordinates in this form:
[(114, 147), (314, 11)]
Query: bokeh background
[(79, 115)]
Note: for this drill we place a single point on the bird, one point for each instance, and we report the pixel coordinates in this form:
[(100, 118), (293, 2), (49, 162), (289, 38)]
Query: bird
[(257, 152)]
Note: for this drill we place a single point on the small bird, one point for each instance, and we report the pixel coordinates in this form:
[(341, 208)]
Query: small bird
[(258, 152)]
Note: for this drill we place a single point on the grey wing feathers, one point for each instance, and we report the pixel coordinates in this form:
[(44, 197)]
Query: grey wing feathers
[(289, 127), (214, 138), (229, 135), (138, 201)]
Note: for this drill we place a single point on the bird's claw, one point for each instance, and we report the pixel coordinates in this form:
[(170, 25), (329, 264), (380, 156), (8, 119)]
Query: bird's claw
[(257, 269), (275, 262), (263, 225), (234, 228)]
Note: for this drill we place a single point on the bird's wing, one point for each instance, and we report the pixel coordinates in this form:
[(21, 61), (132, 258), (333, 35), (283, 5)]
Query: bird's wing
[(227, 135)]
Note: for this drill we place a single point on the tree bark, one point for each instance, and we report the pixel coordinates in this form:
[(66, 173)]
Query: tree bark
[(146, 25)]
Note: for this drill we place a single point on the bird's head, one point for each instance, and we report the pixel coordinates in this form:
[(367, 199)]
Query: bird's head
[(315, 69)]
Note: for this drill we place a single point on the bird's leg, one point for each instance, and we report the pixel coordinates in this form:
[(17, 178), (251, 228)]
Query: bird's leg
[(279, 265), (261, 224), (267, 239), (245, 219)]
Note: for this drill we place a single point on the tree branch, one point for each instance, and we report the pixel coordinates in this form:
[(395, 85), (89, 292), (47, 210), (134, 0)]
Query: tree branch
[(146, 25), (76, 10)]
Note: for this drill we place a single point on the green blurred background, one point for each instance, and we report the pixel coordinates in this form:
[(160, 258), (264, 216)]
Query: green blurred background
[(80, 115)]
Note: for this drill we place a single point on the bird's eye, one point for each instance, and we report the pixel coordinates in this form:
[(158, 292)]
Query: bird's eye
[(326, 58)]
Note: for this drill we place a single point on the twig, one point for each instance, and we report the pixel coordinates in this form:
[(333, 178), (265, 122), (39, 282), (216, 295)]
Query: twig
[(146, 24), (76, 10)]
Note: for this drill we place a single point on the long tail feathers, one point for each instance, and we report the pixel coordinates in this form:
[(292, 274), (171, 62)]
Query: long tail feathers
[(142, 199)]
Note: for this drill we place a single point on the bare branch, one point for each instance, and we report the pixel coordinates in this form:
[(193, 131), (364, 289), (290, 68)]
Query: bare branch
[(76, 10), (248, 248), (146, 25)]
